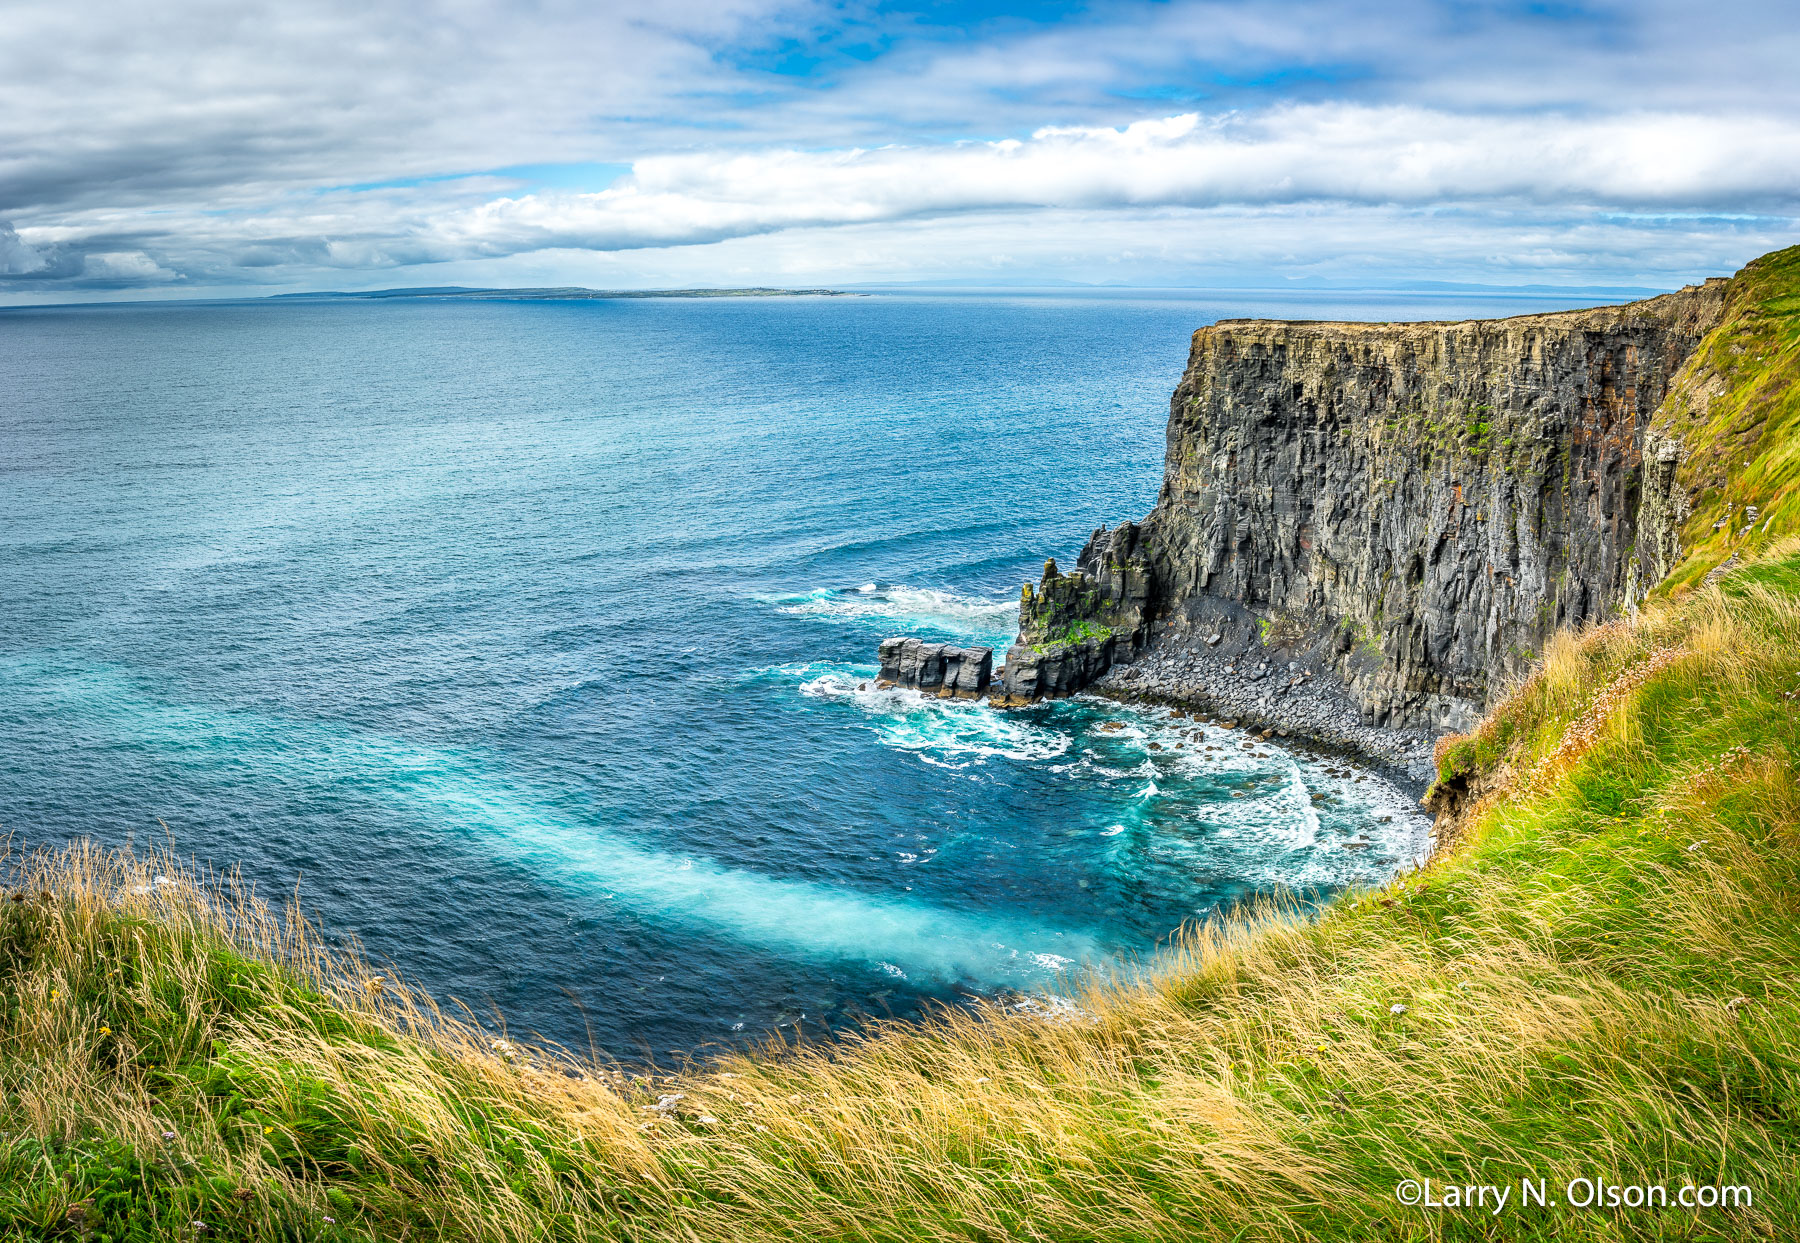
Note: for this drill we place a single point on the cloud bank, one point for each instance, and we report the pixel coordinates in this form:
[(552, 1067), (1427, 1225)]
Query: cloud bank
[(204, 147), (1315, 154)]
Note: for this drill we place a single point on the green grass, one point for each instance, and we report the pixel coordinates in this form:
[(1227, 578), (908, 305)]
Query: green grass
[(1075, 632)]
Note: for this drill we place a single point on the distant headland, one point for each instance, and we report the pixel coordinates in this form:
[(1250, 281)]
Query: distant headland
[(569, 293)]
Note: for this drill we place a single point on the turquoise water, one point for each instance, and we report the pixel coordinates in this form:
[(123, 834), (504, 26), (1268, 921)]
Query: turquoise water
[(534, 642)]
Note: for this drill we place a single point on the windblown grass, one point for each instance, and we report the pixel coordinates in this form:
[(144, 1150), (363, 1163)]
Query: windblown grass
[(1599, 981)]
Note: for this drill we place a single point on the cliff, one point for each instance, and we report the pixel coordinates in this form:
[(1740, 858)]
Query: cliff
[(1405, 510)]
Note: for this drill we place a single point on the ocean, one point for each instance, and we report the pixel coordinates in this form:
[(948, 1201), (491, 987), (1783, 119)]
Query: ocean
[(532, 644)]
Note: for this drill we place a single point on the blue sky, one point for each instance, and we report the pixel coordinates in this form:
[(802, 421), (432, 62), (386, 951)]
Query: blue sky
[(202, 148)]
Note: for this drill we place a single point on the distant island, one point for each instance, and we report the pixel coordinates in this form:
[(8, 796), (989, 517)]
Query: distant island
[(569, 293)]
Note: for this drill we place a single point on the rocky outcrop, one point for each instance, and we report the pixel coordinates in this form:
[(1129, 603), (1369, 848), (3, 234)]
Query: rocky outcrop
[(1109, 593), (1066, 638), (937, 668), (1408, 510), (1053, 671)]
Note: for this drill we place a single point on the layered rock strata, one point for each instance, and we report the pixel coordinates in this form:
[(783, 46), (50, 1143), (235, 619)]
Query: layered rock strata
[(1405, 510), (938, 668)]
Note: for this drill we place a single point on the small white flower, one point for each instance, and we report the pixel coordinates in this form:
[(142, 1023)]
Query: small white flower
[(1396, 1008)]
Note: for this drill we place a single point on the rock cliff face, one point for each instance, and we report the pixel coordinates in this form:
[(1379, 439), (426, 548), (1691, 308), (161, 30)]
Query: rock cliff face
[(1412, 508)]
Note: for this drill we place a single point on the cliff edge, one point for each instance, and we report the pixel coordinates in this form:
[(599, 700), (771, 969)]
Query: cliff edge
[(1367, 532)]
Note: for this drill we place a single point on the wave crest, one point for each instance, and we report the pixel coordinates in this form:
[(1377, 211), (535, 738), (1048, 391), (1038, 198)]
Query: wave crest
[(909, 608), (940, 729)]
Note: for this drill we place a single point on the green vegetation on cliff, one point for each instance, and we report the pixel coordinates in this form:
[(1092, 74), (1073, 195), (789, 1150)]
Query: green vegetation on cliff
[(1076, 632), (1735, 411)]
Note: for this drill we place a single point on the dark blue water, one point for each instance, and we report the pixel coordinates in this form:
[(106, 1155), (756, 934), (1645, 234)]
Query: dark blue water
[(532, 640)]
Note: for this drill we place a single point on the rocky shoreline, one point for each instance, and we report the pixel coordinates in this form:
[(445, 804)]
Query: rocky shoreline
[(1286, 701)]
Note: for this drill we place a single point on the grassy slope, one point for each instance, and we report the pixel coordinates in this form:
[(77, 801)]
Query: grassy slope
[(1601, 980), (1736, 410)]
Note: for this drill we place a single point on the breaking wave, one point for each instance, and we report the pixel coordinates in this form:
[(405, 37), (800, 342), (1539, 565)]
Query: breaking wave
[(940, 730), (911, 609)]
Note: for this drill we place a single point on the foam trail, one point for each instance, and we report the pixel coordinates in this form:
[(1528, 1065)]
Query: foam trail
[(524, 826), (784, 914)]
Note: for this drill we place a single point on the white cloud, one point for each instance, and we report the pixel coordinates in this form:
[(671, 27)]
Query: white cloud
[(1195, 246), (16, 258), (126, 267), (115, 102), (1321, 153)]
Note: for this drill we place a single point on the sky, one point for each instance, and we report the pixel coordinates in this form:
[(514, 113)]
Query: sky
[(212, 148)]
